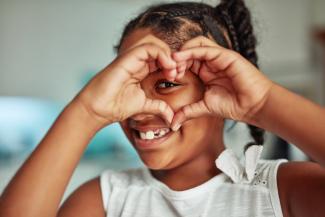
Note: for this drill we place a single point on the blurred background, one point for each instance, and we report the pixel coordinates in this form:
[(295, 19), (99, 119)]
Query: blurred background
[(50, 49)]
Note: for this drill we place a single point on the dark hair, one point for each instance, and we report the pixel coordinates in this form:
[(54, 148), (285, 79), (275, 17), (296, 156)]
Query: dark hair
[(229, 24)]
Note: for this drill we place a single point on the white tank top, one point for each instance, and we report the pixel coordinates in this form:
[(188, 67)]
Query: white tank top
[(137, 193)]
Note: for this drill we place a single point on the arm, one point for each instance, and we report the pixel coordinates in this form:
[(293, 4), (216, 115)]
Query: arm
[(295, 119), (84, 202), (112, 95), (238, 90), (301, 187), (38, 186)]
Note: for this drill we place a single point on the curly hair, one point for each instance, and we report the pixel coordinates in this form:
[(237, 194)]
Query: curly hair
[(229, 24)]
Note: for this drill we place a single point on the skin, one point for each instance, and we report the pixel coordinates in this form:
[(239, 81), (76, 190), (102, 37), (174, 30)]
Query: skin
[(200, 140), (103, 100)]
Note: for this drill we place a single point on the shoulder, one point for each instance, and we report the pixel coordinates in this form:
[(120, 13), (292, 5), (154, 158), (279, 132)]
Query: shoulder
[(84, 201), (301, 187), (89, 198)]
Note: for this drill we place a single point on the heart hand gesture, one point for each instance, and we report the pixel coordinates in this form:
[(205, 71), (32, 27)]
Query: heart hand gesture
[(115, 93), (235, 88)]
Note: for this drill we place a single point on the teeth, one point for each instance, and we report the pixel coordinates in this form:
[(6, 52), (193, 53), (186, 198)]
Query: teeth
[(142, 135), (161, 133), (149, 135)]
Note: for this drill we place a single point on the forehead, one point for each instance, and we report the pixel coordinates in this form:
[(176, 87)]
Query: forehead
[(134, 37), (174, 39)]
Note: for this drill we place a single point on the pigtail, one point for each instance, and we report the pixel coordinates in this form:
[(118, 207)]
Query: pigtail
[(237, 19)]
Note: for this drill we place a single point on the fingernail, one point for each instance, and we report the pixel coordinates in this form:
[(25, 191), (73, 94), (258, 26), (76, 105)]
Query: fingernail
[(176, 127)]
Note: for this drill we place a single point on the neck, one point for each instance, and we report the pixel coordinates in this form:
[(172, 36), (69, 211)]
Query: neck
[(192, 173)]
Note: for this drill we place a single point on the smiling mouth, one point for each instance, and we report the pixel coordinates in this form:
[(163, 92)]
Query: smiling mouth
[(152, 134), (151, 138)]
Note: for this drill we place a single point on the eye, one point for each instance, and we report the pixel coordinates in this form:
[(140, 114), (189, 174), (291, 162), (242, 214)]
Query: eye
[(165, 84)]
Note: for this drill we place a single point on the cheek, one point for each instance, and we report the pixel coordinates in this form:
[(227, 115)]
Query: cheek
[(198, 130), (182, 97), (201, 135), (189, 93)]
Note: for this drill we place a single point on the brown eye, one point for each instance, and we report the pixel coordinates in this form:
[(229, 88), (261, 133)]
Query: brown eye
[(166, 84)]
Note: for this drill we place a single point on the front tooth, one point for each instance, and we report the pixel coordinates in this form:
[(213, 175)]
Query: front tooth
[(142, 135), (150, 134)]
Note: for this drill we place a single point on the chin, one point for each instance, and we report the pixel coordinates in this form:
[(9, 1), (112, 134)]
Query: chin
[(158, 160)]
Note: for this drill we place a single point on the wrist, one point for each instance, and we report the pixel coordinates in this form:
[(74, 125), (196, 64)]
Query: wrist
[(256, 114), (84, 117)]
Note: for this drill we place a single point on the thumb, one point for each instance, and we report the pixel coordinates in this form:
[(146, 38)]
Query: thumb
[(160, 108), (188, 112)]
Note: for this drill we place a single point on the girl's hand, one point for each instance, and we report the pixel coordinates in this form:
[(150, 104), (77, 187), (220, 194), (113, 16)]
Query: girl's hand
[(115, 93), (235, 88)]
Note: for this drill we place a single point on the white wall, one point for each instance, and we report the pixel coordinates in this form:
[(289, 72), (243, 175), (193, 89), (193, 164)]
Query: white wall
[(318, 14), (282, 28), (48, 47)]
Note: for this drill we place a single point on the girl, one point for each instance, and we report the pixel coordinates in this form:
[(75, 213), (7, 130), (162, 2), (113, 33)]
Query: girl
[(181, 70)]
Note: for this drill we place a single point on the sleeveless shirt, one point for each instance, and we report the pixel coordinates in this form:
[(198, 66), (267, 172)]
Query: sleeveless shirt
[(137, 193)]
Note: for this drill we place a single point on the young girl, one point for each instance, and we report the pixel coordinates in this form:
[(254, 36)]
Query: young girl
[(181, 70)]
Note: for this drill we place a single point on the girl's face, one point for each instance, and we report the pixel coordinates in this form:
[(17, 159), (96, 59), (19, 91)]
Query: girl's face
[(197, 139)]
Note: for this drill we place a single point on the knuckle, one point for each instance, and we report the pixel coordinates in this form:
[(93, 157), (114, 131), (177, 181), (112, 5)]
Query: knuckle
[(146, 46), (192, 107), (233, 54), (186, 110), (149, 45), (200, 38)]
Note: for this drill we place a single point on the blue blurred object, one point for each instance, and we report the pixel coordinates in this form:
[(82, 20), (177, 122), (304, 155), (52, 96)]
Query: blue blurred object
[(23, 123), (110, 138), (25, 120)]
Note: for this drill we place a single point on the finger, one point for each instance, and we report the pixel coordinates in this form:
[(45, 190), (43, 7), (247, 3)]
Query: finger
[(200, 41), (155, 53), (170, 75), (149, 39), (158, 107), (196, 53), (217, 58), (141, 55), (188, 112), (206, 74), (196, 66), (153, 66), (181, 69), (165, 62)]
